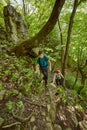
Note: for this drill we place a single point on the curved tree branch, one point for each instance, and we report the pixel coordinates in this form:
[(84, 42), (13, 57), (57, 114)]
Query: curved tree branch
[(10, 125), (26, 46), (80, 1)]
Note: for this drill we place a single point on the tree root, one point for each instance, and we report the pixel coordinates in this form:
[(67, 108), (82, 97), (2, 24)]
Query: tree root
[(21, 119), (36, 104), (13, 124)]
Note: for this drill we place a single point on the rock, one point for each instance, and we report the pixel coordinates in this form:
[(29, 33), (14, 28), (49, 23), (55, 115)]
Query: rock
[(74, 119), (68, 129), (57, 127), (1, 121), (15, 27), (49, 126), (34, 128), (32, 119), (52, 115), (43, 114), (72, 116), (17, 127), (85, 117), (83, 125), (48, 119), (48, 107)]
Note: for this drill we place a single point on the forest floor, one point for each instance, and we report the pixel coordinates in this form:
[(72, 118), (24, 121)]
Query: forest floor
[(37, 104), (35, 109)]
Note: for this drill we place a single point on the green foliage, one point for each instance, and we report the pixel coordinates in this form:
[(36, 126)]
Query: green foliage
[(84, 91), (20, 72), (15, 76), (15, 92), (70, 79), (2, 4), (82, 100), (20, 96), (62, 95), (1, 87), (38, 84), (79, 108), (20, 104), (1, 21), (39, 12), (9, 105), (27, 89)]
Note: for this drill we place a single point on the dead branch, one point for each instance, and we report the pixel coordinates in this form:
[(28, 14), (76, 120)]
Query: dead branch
[(10, 125), (21, 119), (36, 104)]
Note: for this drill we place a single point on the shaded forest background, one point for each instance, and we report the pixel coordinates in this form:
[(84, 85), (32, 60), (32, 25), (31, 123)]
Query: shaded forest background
[(59, 28)]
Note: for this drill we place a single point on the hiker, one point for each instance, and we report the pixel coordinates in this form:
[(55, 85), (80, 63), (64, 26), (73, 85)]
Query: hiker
[(43, 63), (57, 79)]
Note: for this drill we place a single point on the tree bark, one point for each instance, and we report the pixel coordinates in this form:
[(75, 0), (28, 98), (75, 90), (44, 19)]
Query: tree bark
[(64, 64), (81, 69), (82, 84), (61, 42), (75, 79), (24, 7), (26, 46)]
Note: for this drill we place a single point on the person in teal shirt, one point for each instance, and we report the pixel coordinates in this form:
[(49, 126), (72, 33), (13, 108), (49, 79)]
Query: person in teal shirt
[(43, 63)]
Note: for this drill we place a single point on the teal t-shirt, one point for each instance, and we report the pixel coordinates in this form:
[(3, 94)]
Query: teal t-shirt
[(43, 62)]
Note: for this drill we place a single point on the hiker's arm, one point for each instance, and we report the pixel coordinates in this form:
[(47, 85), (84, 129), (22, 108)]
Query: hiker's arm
[(49, 65), (61, 75)]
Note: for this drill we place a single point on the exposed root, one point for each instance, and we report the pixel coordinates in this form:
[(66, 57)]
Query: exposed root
[(10, 125), (21, 119)]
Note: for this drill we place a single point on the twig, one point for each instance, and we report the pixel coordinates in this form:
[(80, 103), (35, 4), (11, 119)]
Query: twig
[(21, 119), (16, 123), (32, 103), (79, 2)]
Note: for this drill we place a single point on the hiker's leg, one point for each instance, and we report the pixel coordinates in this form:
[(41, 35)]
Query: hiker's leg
[(45, 77), (45, 74), (57, 81), (60, 82)]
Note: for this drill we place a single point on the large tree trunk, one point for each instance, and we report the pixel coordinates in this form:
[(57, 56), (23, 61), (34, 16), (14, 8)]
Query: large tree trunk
[(64, 64), (26, 46)]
